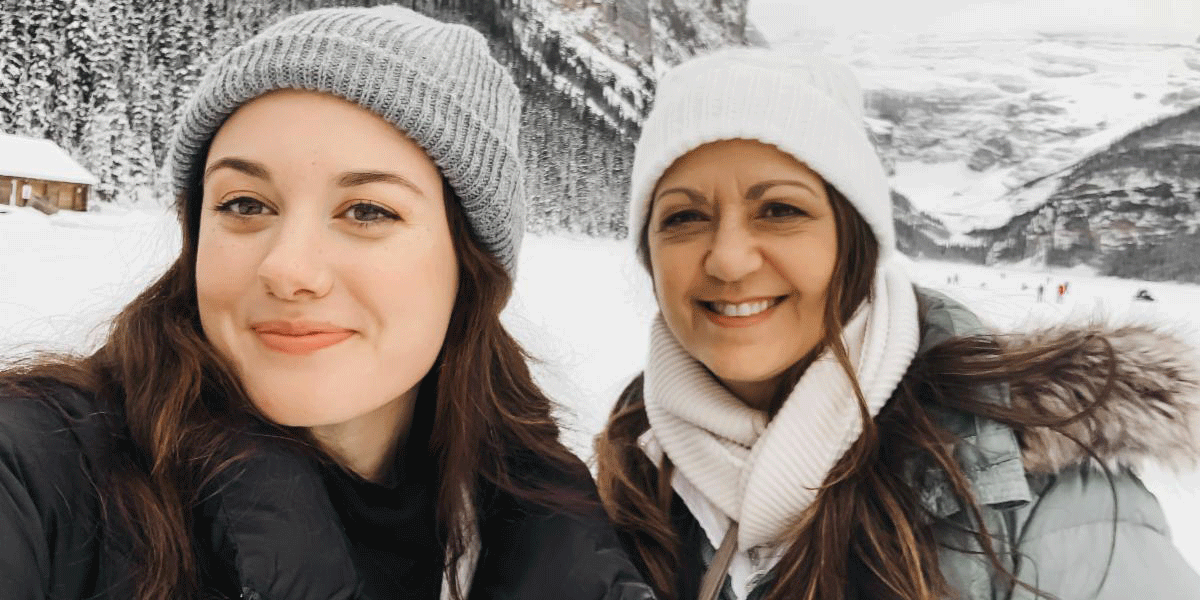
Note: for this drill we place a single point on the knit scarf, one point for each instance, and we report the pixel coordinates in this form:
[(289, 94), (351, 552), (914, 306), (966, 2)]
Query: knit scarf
[(763, 475)]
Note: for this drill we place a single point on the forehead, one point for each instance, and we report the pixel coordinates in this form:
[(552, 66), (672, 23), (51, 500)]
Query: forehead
[(297, 137), (299, 109), (300, 123), (737, 158)]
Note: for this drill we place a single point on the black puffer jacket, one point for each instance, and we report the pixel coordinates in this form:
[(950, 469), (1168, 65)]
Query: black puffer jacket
[(271, 533)]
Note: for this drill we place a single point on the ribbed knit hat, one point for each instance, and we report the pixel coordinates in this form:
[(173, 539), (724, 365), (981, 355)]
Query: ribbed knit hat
[(436, 82), (806, 105)]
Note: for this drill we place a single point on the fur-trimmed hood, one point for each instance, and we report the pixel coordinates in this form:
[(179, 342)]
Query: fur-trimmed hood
[(1151, 403), (1149, 379)]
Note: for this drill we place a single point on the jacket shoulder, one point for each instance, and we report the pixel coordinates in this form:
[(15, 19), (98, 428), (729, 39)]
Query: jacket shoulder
[(942, 318), (1100, 535), (531, 553), (53, 433), (50, 516), (555, 555)]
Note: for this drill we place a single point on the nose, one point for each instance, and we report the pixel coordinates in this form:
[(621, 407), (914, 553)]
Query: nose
[(295, 265), (734, 252)]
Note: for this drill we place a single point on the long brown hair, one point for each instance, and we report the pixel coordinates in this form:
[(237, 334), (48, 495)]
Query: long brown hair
[(866, 523), (178, 410)]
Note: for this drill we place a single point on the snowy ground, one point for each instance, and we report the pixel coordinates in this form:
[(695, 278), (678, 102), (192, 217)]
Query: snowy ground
[(582, 308)]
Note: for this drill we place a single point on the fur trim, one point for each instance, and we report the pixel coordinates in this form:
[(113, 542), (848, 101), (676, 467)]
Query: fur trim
[(1152, 412)]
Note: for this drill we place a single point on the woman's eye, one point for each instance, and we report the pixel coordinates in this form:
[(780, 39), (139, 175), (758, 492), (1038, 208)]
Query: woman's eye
[(242, 206), (682, 217), (780, 210), (365, 213)]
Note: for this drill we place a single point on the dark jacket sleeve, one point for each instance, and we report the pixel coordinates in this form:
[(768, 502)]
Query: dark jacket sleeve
[(532, 552), (48, 508), (272, 532), (551, 556), (266, 530)]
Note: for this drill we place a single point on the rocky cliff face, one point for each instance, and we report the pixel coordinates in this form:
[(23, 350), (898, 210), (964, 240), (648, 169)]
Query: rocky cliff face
[(1114, 209)]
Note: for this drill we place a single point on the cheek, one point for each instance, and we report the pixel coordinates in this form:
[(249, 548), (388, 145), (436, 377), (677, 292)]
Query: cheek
[(671, 271), (412, 293), (812, 276), (225, 269), (828, 261)]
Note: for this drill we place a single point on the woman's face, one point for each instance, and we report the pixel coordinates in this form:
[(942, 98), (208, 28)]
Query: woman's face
[(325, 271), (742, 243)]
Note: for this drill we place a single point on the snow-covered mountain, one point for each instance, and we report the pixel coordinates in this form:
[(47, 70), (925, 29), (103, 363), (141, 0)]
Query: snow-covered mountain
[(992, 133)]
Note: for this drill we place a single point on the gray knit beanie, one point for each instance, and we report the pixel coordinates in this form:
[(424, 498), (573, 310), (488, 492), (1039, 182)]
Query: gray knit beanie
[(436, 82)]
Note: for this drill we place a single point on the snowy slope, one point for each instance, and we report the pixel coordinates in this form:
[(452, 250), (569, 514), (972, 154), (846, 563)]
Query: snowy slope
[(968, 118), (582, 308)]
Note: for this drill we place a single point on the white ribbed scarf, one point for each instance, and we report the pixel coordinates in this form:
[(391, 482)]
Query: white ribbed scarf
[(763, 475)]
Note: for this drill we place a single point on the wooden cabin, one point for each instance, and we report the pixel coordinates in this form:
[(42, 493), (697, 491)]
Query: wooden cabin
[(40, 173)]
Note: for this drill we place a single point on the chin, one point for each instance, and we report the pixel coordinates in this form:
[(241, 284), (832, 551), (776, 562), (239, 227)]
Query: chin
[(736, 370), (295, 407), (294, 416)]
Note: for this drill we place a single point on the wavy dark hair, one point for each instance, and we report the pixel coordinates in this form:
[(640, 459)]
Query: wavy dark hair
[(866, 527), (179, 409)]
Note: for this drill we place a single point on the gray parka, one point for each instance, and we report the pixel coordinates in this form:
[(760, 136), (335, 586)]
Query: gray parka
[(1056, 515), (1059, 524)]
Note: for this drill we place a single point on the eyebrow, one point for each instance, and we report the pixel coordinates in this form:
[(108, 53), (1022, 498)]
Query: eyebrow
[(353, 178), (242, 165), (348, 179), (693, 196), (757, 190)]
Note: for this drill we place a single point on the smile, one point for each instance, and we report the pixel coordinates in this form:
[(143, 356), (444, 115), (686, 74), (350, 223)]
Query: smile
[(740, 314), (299, 340)]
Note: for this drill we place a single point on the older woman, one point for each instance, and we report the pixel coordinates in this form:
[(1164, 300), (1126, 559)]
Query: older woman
[(318, 399), (810, 425)]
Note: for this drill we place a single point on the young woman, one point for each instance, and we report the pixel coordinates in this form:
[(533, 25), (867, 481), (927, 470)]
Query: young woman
[(811, 426), (317, 400)]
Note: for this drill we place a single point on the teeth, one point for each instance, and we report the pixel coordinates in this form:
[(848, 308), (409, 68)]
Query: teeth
[(744, 309)]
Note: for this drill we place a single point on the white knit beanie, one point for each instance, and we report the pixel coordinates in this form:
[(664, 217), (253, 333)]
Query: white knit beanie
[(806, 105)]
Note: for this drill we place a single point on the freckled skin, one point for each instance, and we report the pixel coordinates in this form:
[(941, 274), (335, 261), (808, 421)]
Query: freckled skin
[(294, 242), (708, 241)]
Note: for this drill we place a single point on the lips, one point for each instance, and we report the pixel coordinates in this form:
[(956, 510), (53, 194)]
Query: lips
[(299, 338), (741, 313)]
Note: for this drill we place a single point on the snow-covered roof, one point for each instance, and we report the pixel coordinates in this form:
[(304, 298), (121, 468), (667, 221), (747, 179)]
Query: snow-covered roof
[(40, 159)]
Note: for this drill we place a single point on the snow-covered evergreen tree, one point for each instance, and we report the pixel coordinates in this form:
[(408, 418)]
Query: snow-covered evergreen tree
[(105, 79), (12, 57)]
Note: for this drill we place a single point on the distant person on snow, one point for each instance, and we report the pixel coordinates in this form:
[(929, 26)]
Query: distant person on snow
[(811, 425), (318, 399)]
